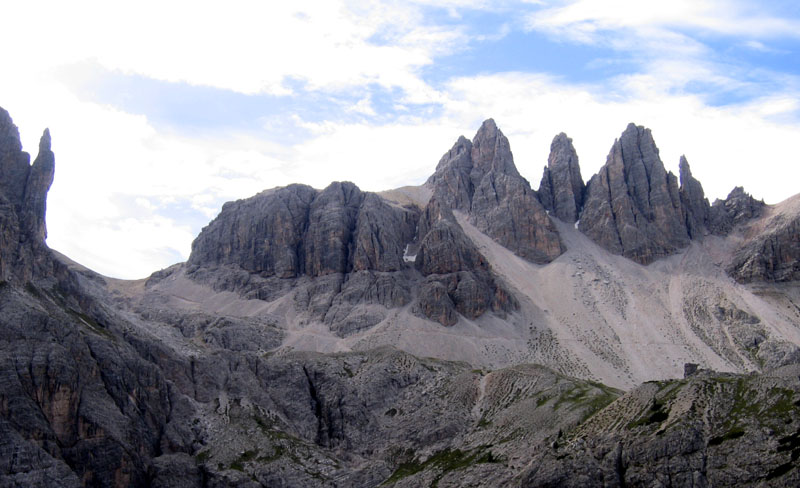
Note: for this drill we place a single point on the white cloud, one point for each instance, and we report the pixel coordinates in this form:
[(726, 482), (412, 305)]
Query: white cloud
[(123, 187), (244, 46), (588, 20)]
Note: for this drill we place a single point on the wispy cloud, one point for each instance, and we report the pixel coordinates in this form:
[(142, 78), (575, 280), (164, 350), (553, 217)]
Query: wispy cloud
[(598, 20)]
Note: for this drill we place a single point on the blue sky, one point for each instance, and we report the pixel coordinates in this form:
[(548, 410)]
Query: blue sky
[(161, 112)]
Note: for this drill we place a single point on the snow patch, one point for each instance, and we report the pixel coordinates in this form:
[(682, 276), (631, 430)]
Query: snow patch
[(408, 258)]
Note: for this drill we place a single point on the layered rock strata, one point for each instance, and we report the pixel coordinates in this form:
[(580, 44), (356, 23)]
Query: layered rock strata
[(457, 277), (561, 190), (633, 205), (23, 194), (693, 201), (480, 179)]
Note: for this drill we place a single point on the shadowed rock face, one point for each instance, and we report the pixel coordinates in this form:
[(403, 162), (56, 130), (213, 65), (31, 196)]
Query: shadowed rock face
[(350, 241), (480, 179), (261, 234), (694, 203), (23, 196), (633, 205), (296, 230), (562, 189), (458, 277)]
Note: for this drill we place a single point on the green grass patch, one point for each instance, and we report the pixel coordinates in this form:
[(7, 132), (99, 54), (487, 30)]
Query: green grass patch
[(443, 462), (653, 415), (541, 400)]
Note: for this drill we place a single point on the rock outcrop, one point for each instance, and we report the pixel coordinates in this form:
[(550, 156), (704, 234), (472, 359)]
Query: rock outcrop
[(458, 277), (694, 202), (771, 251), (739, 207), (296, 230), (562, 189), (480, 179), (633, 205), (23, 196), (709, 430), (352, 244)]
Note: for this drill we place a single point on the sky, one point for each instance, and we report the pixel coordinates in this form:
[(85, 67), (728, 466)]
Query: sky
[(162, 111)]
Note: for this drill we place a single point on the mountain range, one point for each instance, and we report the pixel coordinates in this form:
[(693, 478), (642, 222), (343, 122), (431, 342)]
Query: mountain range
[(470, 331)]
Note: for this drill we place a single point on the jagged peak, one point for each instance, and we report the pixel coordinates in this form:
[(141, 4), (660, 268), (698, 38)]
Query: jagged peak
[(560, 138), (684, 171), (44, 142), (491, 150), (489, 125), (561, 189)]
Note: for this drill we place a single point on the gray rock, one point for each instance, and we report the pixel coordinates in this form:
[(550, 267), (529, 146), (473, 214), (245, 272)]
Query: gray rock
[(262, 234), (23, 194), (328, 241), (480, 179), (771, 255), (382, 232), (633, 206), (458, 276), (562, 189), (694, 203), (268, 245), (738, 208), (702, 431), (435, 303)]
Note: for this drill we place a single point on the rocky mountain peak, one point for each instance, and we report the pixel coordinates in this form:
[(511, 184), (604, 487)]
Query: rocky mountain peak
[(40, 178), (14, 162), (561, 190), (23, 198), (693, 200), (633, 205), (480, 179), (491, 151)]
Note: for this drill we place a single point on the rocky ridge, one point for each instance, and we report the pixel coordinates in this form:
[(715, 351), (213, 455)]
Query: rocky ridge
[(480, 179), (106, 382)]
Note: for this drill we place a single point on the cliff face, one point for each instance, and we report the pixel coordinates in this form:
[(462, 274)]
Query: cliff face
[(479, 178), (695, 206), (561, 190), (633, 205), (294, 231), (771, 250), (23, 196)]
